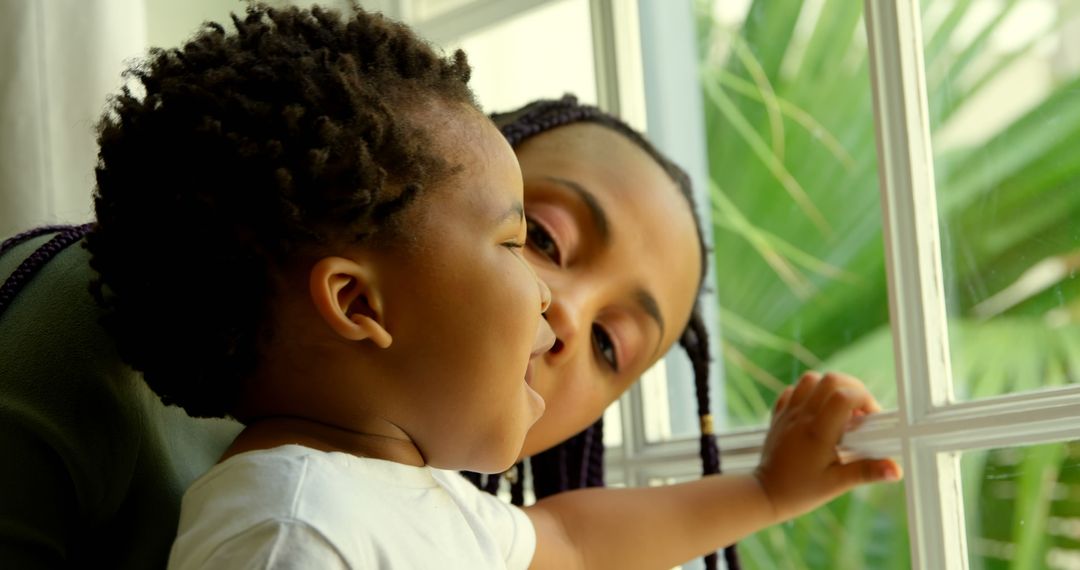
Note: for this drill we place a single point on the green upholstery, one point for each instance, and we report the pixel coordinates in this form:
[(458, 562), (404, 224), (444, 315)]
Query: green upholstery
[(93, 465)]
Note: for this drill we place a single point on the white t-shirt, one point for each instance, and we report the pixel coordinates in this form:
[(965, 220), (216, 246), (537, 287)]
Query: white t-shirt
[(296, 507)]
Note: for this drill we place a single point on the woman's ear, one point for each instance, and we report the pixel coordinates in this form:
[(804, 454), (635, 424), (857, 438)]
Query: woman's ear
[(345, 294)]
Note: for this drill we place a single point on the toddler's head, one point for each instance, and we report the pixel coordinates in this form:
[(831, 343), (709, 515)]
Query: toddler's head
[(308, 217)]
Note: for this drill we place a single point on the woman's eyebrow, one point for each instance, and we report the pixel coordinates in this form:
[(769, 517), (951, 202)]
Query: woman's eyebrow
[(648, 303), (596, 212)]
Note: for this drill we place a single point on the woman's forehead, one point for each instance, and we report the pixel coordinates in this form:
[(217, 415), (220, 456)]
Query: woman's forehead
[(586, 139), (605, 161)]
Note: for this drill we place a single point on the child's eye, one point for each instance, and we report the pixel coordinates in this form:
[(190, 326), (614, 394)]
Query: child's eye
[(540, 239), (604, 347)]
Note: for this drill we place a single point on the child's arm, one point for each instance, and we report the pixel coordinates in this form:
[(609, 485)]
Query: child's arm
[(660, 527)]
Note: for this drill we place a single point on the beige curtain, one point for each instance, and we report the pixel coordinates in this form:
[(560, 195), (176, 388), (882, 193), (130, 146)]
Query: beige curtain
[(59, 59)]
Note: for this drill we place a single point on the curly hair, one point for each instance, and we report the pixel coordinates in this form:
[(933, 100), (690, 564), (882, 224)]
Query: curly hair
[(298, 130)]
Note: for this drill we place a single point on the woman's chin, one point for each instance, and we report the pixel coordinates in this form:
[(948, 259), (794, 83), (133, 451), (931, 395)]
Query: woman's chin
[(543, 436), (537, 405)]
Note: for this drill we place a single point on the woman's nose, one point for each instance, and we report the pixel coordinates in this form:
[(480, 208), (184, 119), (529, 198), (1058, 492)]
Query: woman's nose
[(566, 315)]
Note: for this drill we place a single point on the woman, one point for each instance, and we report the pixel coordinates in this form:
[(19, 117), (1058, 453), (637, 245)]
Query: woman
[(613, 232), (102, 463)]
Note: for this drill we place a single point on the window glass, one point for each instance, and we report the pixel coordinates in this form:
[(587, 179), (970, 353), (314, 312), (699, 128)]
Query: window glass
[(541, 53), (1022, 507), (796, 208), (864, 529), (798, 243), (427, 9), (1003, 82)]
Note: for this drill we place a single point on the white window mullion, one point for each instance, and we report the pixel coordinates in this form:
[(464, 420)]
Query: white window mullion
[(633, 432), (605, 56), (938, 536), (909, 207), (668, 70), (1006, 421), (913, 262)]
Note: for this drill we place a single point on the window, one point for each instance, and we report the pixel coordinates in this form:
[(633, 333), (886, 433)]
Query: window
[(893, 191), (1020, 506), (508, 70), (934, 426), (792, 174)]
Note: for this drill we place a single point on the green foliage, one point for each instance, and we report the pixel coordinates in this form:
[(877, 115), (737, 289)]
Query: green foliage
[(799, 251), (1022, 507)]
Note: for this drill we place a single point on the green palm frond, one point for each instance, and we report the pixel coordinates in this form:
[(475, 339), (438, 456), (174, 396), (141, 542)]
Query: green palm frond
[(790, 276), (990, 358)]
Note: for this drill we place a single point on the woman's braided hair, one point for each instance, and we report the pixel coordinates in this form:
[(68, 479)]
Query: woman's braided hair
[(298, 131), (579, 461)]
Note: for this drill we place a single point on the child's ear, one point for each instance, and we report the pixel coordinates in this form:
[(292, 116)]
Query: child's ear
[(346, 296)]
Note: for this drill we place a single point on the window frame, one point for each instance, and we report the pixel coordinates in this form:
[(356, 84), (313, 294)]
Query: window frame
[(930, 428)]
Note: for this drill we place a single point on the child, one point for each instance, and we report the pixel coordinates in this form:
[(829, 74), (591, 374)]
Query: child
[(324, 234), (308, 225)]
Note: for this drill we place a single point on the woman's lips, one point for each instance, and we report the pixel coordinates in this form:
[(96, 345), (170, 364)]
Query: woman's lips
[(529, 373)]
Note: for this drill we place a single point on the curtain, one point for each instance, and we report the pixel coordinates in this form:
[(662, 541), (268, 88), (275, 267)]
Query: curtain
[(59, 60)]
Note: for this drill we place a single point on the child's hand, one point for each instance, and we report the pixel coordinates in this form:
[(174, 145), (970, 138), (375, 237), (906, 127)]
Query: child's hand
[(800, 468)]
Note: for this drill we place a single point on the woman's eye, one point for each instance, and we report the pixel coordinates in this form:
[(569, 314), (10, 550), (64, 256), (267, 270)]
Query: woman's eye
[(539, 238), (604, 347)]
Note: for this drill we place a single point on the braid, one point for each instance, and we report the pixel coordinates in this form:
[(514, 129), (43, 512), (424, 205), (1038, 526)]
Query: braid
[(31, 234), (576, 463), (594, 468), (30, 266), (695, 341), (549, 470), (582, 470), (492, 484), (517, 485), (473, 478)]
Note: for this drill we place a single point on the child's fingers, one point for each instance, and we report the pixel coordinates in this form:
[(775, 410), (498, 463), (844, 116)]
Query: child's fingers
[(823, 390), (782, 401), (804, 387), (837, 411), (858, 417), (872, 405), (833, 381), (856, 473)]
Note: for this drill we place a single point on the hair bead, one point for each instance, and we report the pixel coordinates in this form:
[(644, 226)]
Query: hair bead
[(707, 424)]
